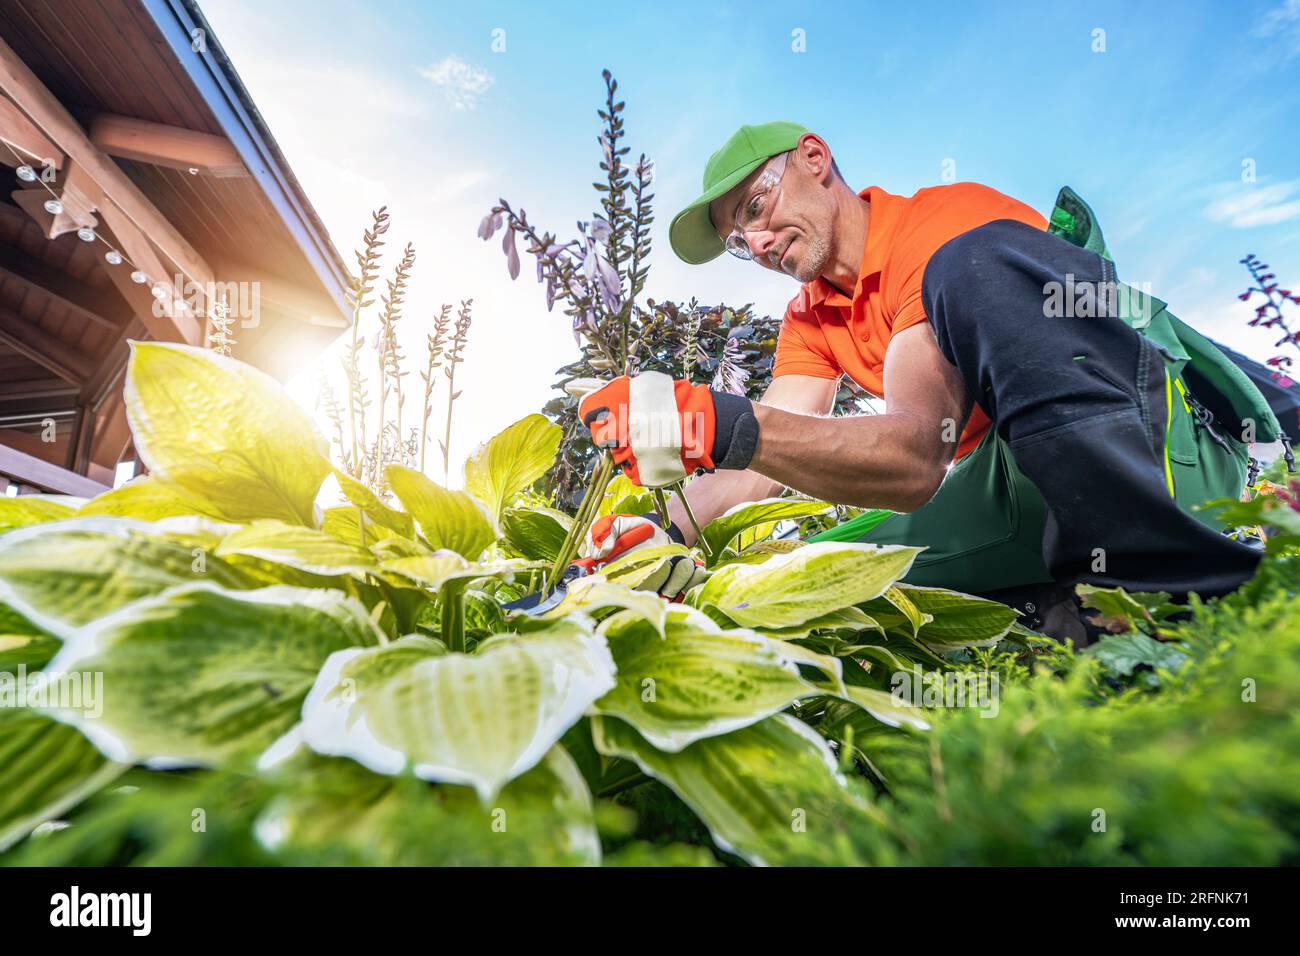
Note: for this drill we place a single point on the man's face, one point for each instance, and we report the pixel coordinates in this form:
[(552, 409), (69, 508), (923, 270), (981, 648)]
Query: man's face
[(797, 238)]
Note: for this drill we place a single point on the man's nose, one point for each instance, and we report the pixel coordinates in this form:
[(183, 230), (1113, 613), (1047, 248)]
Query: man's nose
[(760, 241)]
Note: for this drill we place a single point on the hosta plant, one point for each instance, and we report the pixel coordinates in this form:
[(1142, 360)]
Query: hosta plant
[(262, 680)]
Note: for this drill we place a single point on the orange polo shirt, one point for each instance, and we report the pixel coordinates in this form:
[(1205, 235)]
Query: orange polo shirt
[(827, 334)]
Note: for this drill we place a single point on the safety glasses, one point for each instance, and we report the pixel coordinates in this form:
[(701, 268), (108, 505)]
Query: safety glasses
[(755, 212)]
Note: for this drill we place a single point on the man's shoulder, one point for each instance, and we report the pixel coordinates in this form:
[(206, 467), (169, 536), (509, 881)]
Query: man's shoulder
[(961, 193), (936, 213)]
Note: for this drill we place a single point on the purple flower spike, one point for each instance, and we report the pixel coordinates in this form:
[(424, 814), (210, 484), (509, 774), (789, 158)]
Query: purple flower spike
[(512, 254)]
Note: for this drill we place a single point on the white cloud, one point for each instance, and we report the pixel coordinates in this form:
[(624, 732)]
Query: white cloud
[(1244, 206), (1282, 23), (462, 83)]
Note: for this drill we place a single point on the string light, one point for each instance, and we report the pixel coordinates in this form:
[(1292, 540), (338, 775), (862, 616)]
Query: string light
[(112, 256)]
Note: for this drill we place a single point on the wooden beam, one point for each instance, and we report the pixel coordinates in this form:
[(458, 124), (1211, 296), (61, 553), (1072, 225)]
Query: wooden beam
[(44, 110), (77, 297), (29, 470), (44, 349), (77, 193), (201, 154), (112, 364), (20, 133), (36, 388), (111, 432)]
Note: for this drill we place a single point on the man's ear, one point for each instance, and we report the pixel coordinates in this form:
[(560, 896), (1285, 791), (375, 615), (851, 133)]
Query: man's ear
[(815, 156)]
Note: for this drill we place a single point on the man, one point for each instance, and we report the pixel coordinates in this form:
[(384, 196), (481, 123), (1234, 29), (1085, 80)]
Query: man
[(1026, 450)]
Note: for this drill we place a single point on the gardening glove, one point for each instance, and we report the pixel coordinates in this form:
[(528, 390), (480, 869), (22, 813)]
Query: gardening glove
[(613, 536), (660, 431)]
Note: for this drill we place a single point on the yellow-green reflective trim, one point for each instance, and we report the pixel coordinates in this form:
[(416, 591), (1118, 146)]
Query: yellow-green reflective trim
[(1169, 425)]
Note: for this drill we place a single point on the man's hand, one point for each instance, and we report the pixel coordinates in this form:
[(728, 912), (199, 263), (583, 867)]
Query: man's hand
[(660, 431), (613, 536)]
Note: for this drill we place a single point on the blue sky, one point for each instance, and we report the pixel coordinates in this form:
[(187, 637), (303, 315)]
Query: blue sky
[(1183, 134)]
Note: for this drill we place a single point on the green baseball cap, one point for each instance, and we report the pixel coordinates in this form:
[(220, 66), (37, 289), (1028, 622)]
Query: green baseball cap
[(691, 234)]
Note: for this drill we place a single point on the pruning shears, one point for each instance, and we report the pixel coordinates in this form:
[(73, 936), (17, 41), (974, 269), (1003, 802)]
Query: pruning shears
[(545, 599)]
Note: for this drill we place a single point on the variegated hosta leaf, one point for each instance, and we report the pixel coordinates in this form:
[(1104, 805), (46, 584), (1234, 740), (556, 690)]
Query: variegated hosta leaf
[(24, 510), (847, 619), (536, 533), (896, 612), (303, 548), (22, 643), (223, 435), (73, 571), (201, 676), (769, 793), (511, 461), (958, 620), (697, 680), (434, 570), (640, 564), (449, 519), (621, 497), (376, 512), (885, 707), (761, 551), (793, 588), (720, 532), (45, 769), (144, 498), (478, 719), (344, 523), (594, 593), (336, 807)]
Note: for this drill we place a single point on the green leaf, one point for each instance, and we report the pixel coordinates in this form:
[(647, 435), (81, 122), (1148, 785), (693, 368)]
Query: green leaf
[(793, 588), (144, 498), (46, 768), (335, 811), (306, 549), (622, 497), (958, 620), (769, 793), (204, 676), (639, 564), (536, 533), (1122, 654), (720, 532), (450, 520), (895, 611), (511, 461), (81, 569), (23, 643), (434, 570), (478, 719), (344, 523), (24, 510), (223, 436), (376, 511), (595, 593), (697, 680), (886, 707), (1123, 610)]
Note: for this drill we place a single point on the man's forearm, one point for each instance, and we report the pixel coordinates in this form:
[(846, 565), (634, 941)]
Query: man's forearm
[(711, 495), (869, 461)]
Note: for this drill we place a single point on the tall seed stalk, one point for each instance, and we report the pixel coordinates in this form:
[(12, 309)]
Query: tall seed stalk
[(435, 345), (454, 358)]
